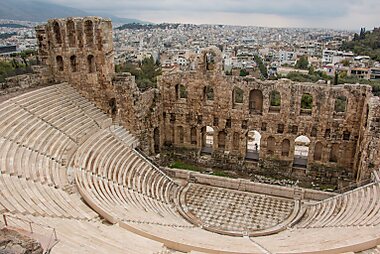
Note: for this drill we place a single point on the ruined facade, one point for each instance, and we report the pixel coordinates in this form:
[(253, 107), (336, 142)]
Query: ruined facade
[(308, 129)]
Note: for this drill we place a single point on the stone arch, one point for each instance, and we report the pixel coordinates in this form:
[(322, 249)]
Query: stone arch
[(237, 95), (274, 101), (207, 139), (209, 60), (70, 27), (91, 63), (318, 151), (301, 151), (306, 104), (334, 153), (73, 63), (340, 104), (57, 32), (180, 135), (271, 145), (180, 91), (89, 32), (285, 148), (253, 145), (255, 101), (59, 61), (156, 140), (113, 106), (208, 93), (193, 135), (222, 136)]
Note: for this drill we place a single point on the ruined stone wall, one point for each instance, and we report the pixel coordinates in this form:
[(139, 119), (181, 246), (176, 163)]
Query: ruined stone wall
[(368, 156), (340, 129), (80, 51), (24, 81), (334, 134), (138, 112)]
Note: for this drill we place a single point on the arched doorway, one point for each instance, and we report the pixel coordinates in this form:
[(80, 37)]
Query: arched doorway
[(301, 151), (253, 145), (207, 139)]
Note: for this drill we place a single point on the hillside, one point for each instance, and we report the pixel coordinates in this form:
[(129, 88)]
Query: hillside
[(365, 43), (38, 11)]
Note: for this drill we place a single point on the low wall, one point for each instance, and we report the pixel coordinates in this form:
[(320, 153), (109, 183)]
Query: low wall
[(247, 185)]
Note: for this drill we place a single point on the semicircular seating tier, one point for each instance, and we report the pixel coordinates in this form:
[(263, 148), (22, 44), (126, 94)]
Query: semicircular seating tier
[(63, 163)]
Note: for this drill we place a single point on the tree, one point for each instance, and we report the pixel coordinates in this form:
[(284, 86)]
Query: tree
[(302, 63), (262, 68)]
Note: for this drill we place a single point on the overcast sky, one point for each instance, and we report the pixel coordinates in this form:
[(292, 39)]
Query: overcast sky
[(344, 14)]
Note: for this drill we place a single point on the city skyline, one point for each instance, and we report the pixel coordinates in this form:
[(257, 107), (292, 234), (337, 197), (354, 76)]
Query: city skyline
[(338, 14)]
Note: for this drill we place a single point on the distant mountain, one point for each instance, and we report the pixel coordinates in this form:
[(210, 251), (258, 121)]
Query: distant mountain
[(39, 11)]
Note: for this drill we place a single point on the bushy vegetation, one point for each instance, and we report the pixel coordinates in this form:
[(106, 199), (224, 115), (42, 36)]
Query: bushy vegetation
[(365, 43), (302, 63), (19, 63), (262, 68), (146, 72)]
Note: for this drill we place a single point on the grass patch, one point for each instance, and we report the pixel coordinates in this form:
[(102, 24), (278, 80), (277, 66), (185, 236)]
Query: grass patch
[(184, 165), (220, 173)]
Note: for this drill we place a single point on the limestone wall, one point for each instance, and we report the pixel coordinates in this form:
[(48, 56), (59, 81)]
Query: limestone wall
[(80, 51), (333, 132)]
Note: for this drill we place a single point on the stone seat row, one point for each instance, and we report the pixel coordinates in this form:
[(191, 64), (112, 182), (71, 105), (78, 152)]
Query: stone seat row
[(19, 195), (106, 156), (116, 203), (110, 173), (90, 236), (359, 207), (68, 113), (26, 163)]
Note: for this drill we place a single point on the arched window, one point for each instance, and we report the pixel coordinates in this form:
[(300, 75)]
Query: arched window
[(275, 101), (306, 104), (57, 33), (334, 153), (91, 63), (237, 95), (301, 151), (193, 135), (73, 63), (222, 140), (318, 151), (207, 139), (180, 134), (89, 32), (285, 147), (208, 93), (70, 26), (253, 145), (256, 102), (209, 60), (59, 61), (271, 145), (181, 92), (236, 141), (340, 104)]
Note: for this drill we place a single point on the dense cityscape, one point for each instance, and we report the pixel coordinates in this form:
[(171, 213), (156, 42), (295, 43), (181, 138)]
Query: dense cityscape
[(244, 49)]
